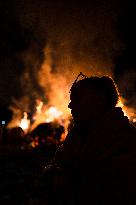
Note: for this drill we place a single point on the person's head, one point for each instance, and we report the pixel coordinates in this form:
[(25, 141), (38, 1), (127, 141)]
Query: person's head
[(92, 97)]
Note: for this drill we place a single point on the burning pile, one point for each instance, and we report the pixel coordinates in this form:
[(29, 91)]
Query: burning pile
[(44, 114)]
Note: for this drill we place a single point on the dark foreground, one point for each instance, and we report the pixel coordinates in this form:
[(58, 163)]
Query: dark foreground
[(21, 179)]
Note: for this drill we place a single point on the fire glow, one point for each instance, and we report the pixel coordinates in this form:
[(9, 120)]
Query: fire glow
[(55, 111), (129, 112), (25, 122), (45, 113), (53, 114)]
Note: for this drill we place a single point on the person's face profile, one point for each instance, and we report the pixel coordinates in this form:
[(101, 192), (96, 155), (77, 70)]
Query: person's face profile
[(84, 103)]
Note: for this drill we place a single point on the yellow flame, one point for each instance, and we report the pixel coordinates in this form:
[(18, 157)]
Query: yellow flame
[(39, 106), (120, 104), (53, 114), (47, 113), (128, 111), (25, 122)]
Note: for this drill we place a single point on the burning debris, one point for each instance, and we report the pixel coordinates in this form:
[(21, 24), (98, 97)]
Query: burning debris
[(47, 124)]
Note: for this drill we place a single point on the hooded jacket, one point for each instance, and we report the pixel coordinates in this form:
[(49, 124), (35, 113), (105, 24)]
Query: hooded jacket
[(101, 163)]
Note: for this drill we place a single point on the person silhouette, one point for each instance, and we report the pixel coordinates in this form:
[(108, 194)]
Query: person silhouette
[(98, 157)]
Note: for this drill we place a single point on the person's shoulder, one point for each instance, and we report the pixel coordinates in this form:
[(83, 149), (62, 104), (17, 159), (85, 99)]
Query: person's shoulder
[(132, 129), (131, 137)]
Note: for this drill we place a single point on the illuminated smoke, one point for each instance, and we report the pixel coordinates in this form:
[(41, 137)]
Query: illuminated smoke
[(65, 40)]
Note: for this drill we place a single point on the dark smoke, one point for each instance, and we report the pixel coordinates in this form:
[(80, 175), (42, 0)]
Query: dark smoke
[(81, 34), (21, 49)]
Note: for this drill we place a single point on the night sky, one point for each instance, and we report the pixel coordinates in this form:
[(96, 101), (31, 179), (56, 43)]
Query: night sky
[(104, 29)]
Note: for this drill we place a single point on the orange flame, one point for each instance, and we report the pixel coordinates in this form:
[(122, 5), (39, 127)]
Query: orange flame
[(45, 113), (53, 114), (129, 112)]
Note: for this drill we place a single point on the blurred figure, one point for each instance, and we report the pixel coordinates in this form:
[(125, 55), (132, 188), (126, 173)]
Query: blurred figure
[(98, 158), (48, 133), (16, 136)]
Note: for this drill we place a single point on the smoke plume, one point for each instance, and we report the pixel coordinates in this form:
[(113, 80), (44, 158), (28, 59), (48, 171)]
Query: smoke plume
[(65, 40)]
